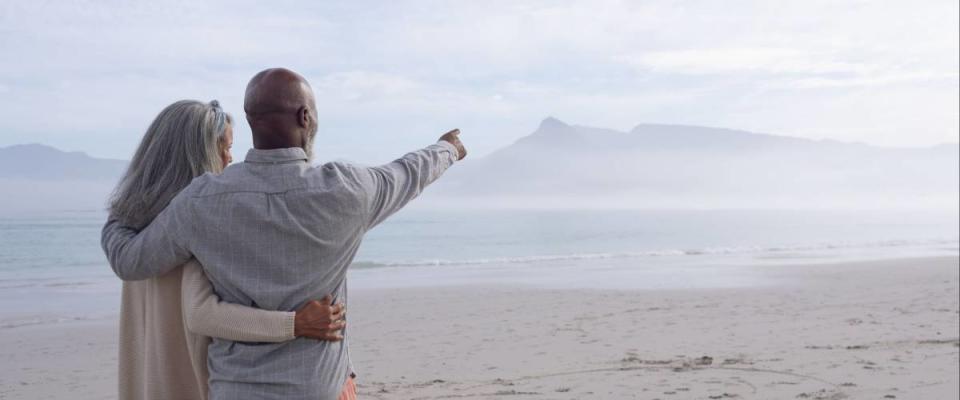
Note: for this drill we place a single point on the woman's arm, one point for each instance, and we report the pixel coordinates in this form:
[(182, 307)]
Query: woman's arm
[(205, 314)]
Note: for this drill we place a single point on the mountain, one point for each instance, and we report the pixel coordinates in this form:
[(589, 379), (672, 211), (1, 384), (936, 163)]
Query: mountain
[(678, 166), (37, 161), (38, 178)]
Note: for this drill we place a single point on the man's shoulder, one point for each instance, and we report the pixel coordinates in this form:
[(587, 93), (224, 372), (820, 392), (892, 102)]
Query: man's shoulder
[(235, 177), (338, 165), (198, 185), (342, 171)]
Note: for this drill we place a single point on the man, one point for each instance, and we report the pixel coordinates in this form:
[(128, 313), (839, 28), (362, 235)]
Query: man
[(274, 232)]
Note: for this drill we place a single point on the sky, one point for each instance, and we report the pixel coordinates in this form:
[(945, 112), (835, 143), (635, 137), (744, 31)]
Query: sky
[(392, 76)]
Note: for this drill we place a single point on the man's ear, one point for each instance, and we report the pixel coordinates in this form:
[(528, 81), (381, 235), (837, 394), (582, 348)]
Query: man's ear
[(304, 117)]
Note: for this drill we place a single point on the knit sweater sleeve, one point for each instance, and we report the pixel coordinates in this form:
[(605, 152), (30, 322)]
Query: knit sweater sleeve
[(205, 314)]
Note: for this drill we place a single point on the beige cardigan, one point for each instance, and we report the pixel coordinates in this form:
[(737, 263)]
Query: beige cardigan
[(166, 324)]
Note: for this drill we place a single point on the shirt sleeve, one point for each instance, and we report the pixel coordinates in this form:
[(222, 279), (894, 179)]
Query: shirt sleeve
[(391, 186), (206, 315), (154, 250)]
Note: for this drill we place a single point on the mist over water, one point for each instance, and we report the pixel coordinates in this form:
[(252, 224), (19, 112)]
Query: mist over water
[(53, 263), (451, 237), (693, 167)]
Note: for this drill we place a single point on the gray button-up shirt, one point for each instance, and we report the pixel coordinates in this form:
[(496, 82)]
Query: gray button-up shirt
[(274, 232)]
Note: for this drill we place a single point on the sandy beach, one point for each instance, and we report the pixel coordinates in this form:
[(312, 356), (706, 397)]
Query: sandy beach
[(863, 330)]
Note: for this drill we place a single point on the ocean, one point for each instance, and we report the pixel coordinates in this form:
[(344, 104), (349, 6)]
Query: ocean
[(52, 268)]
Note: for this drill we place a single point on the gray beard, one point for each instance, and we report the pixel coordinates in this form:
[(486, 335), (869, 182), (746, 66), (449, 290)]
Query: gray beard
[(308, 147)]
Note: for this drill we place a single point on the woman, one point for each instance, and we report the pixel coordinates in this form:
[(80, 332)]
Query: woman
[(166, 322)]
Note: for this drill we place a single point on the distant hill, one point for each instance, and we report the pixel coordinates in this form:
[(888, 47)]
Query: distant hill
[(37, 161), (691, 166), (39, 178)]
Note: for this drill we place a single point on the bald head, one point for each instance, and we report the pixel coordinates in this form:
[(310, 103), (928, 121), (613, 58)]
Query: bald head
[(281, 110), (276, 89)]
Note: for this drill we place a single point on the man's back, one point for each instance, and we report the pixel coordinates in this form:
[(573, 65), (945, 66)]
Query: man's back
[(273, 233), (287, 233)]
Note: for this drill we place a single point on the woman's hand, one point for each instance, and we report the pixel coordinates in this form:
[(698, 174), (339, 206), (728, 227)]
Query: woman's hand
[(320, 320)]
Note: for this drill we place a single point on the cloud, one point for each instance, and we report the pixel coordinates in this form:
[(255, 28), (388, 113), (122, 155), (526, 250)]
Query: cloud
[(743, 60), (364, 85), (883, 79), (388, 74)]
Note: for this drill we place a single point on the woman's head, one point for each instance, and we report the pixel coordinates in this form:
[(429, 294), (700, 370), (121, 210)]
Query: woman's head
[(187, 139)]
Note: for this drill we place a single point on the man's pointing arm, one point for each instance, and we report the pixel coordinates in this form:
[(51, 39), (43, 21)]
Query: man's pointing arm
[(392, 186)]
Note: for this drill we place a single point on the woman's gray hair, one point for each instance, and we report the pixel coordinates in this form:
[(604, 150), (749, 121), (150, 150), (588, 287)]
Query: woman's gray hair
[(182, 143)]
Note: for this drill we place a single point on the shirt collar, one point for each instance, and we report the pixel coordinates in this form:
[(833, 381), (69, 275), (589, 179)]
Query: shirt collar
[(275, 156)]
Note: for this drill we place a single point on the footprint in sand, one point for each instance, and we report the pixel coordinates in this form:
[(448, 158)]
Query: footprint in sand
[(723, 396)]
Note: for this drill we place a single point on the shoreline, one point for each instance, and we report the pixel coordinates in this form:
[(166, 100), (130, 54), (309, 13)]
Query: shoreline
[(60, 300), (865, 329)]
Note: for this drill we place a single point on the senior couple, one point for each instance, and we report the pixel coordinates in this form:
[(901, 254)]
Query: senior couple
[(235, 275)]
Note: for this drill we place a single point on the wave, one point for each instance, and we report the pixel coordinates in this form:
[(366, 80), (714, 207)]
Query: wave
[(707, 251)]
